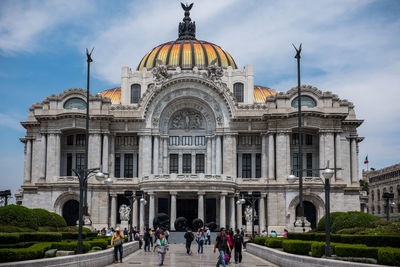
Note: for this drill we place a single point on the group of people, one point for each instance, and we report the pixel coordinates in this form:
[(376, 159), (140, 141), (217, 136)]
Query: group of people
[(202, 237), (225, 243)]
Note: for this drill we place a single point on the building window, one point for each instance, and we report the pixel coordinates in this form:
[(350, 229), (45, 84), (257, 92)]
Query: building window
[(379, 195), (75, 103), (135, 93), (117, 168), (258, 165), (174, 140), (173, 163), (238, 91), (80, 161), (295, 164), (69, 164), (128, 165), (70, 140), (246, 165), (256, 140), (187, 163), (186, 140), (309, 164), (245, 139), (199, 140), (306, 101), (309, 138), (199, 163), (80, 139), (295, 138)]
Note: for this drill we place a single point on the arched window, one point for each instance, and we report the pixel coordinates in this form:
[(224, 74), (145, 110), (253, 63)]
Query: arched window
[(135, 93), (238, 92), (75, 103), (305, 101)]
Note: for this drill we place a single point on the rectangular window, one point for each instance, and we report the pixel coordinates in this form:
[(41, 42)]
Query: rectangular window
[(128, 165), (187, 163), (186, 140), (309, 139), (258, 165), (199, 163), (80, 161), (80, 139), (70, 140), (256, 140), (69, 164), (295, 164), (309, 164), (117, 168), (199, 140), (174, 140), (245, 139), (246, 165), (295, 139), (173, 163), (238, 91)]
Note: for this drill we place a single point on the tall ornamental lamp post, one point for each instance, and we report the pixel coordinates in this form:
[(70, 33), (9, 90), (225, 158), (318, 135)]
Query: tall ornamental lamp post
[(387, 197), (252, 198), (327, 174), (84, 173)]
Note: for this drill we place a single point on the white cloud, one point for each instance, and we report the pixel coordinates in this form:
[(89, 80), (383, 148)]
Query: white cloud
[(11, 122)]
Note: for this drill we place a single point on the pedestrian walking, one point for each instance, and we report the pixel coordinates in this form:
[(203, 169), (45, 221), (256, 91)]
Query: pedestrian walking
[(228, 254), (189, 236), (238, 242), (147, 239), (162, 246), (116, 241), (222, 244), (151, 237), (208, 236), (200, 237), (166, 234)]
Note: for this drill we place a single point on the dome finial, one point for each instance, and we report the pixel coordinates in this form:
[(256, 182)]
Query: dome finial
[(187, 28)]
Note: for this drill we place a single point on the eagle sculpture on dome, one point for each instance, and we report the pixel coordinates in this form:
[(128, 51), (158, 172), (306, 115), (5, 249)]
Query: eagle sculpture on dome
[(187, 7)]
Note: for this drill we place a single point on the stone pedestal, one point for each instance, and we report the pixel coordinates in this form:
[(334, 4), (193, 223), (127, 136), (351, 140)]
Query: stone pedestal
[(298, 225), (123, 225)]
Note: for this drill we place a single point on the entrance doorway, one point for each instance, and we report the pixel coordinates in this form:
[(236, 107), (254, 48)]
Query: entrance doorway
[(70, 212), (310, 212), (187, 208)]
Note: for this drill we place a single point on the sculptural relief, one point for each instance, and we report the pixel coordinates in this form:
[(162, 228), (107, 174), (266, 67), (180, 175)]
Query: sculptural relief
[(187, 119), (124, 212)]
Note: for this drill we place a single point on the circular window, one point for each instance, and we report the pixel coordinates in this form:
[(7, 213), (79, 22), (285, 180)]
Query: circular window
[(75, 103), (305, 101)]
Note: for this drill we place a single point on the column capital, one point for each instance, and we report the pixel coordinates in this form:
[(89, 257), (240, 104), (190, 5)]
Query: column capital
[(223, 193), (174, 193), (284, 131), (150, 193), (263, 195), (113, 194), (201, 193), (326, 131)]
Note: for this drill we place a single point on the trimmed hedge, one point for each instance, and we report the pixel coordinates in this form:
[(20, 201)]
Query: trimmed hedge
[(98, 243), (18, 245), (350, 219), (35, 251), (274, 242), (333, 216), (297, 246), (260, 240), (389, 256), (41, 237), (15, 229), (71, 246), (361, 251), (19, 216), (9, 238), (72, 235)]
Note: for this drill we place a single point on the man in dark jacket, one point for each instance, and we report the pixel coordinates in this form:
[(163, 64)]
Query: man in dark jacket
[(238, 241), (223, 245), (189, 236)]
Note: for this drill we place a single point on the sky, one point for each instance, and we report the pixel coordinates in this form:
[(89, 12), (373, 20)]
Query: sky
[(350, 48)]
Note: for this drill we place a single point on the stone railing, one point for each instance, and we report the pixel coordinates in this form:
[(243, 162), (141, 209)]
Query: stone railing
[(101, 258), (187, 176)]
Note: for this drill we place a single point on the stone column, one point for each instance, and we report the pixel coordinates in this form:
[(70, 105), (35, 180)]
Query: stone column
[(322, 161), (193, 165), (200, 208), (240, 163), (173, 210), (239, 215), (43, 156), (338, 152), (156, 147), (141, 217), (329, 150), (218, 166), (58, 155), (222, 210), (209, 155), (28, 161), (105, 154), (232, 213), (112, 156), (94, 150), (113, 219), (261, 212), (165, 155), (282, 156), (271, 156), (264, 162), (151, 209), (354, 161), (213, 156), (50, 157), (144, 155), (135, 212), (253, 165), (180, 163)]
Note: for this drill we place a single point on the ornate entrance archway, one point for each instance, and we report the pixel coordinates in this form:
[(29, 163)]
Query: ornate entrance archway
[(70, 212), (310, 212)]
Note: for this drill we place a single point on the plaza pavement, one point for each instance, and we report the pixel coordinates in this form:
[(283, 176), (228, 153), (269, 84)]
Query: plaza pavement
[(176, 257)]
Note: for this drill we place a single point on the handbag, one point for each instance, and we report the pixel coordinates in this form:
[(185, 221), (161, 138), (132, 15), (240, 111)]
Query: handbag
[(117, 242)]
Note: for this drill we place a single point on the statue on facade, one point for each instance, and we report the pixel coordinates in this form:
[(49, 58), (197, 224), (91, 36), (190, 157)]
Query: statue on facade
[(248, 214), (124, 212), (214, 72), (160, 72)]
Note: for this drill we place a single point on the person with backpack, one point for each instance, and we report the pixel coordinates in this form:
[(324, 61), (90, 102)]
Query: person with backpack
[(222, 244), (147, 239), (189, 236), (238, 246)]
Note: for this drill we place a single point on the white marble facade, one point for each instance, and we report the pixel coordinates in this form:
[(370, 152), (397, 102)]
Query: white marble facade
[(188, 138)]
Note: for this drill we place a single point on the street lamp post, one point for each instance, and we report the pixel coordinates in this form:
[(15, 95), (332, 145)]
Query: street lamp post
[(252, 198), (387, 197), (327, 174)]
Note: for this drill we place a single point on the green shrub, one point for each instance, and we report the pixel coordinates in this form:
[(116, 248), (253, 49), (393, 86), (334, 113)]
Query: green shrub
[(17, 245), (274, 242), (260, 241), (41, 237), (72, 235), (318, 249), (98, 243), (92, 234), (333, 216), (372, 240), (360, 251), (389, 256), (18, 216), (71, 246), (352, 231), (301, 236), (74, 229), (9, 238), (14, 229), (353, 219), (35, 251), (297, 246), (58, 221)]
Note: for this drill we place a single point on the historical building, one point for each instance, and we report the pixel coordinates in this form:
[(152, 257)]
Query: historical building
[(190, 129), (380, 181)]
